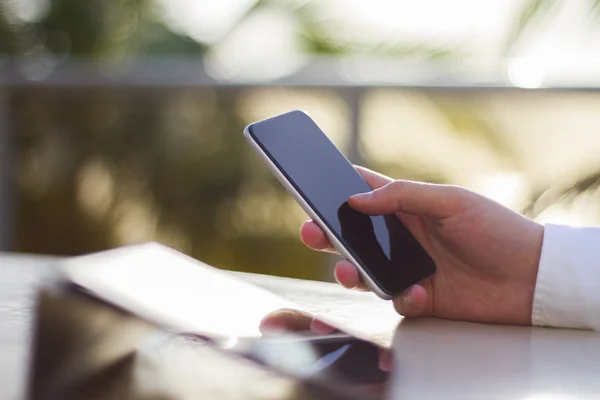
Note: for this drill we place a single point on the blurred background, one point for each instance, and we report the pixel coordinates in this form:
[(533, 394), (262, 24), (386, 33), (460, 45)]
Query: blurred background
[(121, 120)]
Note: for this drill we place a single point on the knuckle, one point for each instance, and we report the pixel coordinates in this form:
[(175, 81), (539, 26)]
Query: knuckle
[(396, 189), (455, 191), (457, 197), (396, 186)]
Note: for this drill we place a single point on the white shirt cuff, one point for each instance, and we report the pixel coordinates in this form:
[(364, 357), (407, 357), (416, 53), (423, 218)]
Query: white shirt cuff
[(567, 292)]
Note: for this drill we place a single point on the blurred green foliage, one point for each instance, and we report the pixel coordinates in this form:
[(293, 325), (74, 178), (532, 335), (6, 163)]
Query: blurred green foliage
[(97, 165), (170, 162), (179, 169)]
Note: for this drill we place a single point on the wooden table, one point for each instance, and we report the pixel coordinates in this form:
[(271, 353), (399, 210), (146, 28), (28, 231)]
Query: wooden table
[(436, 359)]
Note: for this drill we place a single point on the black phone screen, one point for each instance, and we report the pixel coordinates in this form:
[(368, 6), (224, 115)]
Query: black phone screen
[(320, 173)]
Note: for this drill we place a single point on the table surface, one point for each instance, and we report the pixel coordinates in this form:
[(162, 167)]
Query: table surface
[(22, 275), (436, 358)]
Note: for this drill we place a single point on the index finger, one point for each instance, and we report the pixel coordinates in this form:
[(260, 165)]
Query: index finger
[(285, 320), (314, 237)]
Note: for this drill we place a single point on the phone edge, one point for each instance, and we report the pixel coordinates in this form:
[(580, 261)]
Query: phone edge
[(300, 200)]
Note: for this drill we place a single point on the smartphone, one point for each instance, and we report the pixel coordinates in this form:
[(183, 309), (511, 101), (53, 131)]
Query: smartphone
[(321, 179)]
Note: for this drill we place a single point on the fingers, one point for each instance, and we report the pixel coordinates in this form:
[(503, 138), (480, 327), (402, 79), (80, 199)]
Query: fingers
[(386, 360), (412, 303), (321, 328), (285, 320), (313, 237), (289, 321), (438, 201), (348, 276), (345, 272)]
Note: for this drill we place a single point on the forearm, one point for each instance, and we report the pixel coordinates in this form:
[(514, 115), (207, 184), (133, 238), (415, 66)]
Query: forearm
[(567, 292)]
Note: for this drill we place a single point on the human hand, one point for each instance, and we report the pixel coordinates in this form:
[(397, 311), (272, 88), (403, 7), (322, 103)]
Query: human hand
[(486, 255)]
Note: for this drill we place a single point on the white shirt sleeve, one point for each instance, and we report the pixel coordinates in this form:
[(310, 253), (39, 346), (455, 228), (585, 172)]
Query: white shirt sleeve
[(567, 292)]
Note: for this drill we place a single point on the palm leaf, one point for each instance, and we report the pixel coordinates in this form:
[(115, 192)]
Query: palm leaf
[(542, 200), (532, 10), (596, 8)]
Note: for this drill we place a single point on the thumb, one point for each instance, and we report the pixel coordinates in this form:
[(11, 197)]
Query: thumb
[(411, 198)]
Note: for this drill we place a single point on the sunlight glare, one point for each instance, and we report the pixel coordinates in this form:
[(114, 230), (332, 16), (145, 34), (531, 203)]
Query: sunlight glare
[(27, 10), (176, 291), (207, 21), (95, 189), (508, 189), (265, 46), (560, 215), (526, 73), (476, 26)]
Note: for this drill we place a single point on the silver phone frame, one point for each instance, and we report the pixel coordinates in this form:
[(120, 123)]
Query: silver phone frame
[(332, 238)]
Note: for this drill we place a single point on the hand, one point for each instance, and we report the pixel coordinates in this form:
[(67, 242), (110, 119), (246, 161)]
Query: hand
[(486, 255)]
